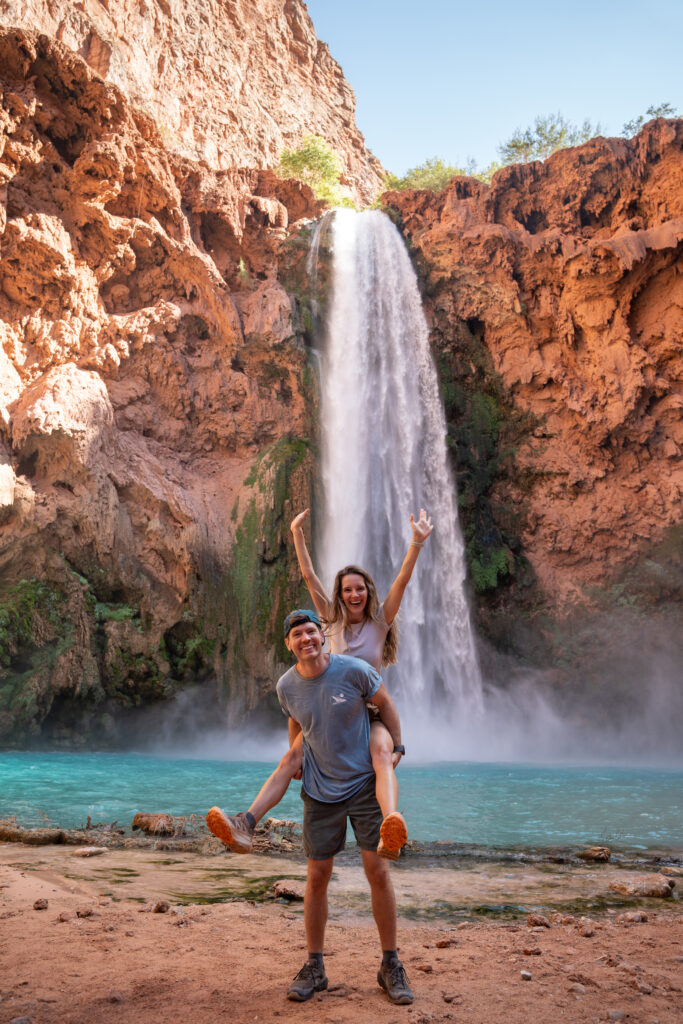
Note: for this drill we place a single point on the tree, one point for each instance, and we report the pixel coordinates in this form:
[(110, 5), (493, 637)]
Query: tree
[(316, 163), (434, 175), (632, 128), (546, 136)]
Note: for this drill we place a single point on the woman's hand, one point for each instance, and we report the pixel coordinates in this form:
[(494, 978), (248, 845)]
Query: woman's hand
[(422, 528), (298, 521)]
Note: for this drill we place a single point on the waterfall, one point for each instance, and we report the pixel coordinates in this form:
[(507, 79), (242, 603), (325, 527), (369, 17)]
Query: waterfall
[(384, 456)]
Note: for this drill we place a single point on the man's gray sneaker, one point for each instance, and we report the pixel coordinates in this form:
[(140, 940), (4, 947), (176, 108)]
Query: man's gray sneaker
[(234, 830), (310, 979), (392, 978)]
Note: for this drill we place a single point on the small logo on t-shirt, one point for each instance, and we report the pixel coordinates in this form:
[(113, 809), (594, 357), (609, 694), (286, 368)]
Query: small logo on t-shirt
[(338, 699)]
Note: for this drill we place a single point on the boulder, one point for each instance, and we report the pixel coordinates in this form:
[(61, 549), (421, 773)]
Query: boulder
[(658, 886)]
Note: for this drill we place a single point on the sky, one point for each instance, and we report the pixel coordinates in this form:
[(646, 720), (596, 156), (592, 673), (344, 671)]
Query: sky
[(443, 78)]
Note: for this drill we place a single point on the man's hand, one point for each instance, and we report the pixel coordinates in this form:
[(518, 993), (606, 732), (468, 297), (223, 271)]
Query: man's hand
[(298, 521)]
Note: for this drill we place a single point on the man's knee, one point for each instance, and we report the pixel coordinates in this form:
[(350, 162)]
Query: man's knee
[(376, 870), (319, 873)]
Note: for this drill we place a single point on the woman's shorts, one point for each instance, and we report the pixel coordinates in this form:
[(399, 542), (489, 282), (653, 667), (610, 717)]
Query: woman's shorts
[(325, 824)]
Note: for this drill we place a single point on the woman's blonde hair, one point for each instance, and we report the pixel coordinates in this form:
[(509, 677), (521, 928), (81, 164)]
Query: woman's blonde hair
[(338, 617)]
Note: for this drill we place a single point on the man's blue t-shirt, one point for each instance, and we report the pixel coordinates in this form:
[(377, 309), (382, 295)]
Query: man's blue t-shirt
[(331, 710)]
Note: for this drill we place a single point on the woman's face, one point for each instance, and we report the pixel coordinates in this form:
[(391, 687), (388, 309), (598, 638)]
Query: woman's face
[(354, 594)]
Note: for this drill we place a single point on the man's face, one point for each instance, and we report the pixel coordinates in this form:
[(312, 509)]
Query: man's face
[(305, 641)]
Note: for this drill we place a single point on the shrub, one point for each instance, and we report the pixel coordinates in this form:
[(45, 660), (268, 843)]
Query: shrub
[(544, 137), (632, 128), (315, 163)]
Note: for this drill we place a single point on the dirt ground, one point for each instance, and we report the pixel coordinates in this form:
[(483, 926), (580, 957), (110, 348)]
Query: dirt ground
[(87, 958)]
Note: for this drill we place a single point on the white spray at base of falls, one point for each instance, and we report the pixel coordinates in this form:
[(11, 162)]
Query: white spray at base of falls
[(384, 456)]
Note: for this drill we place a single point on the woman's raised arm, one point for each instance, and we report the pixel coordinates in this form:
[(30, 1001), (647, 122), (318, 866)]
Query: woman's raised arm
[(315, 587), (421, 530)]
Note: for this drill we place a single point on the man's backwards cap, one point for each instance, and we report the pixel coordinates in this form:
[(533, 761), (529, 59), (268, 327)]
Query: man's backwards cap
[(298, 617)]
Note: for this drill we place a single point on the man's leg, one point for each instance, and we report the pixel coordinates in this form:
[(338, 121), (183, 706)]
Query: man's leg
[(391, 975), (383, 898), (312, 978), (315, 902)]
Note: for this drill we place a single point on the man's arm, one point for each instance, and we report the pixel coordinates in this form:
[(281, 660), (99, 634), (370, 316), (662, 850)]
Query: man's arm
[(389, 716), (294, 729)]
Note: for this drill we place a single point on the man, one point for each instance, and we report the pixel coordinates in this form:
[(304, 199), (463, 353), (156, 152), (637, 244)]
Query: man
[(325, 697)]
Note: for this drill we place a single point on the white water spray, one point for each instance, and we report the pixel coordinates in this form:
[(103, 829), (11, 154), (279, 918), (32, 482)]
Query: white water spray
[(384, 456)]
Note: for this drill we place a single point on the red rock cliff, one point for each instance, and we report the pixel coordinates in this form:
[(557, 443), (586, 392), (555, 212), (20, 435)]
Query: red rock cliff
[(569, 273), (228, 82)]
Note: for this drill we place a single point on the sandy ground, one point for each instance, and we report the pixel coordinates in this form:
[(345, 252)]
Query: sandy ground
[(90, 957)]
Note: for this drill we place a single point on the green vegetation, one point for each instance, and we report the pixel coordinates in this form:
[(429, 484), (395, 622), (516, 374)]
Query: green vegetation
[(23, 604), (632, 128), (315, 163), (434, 175), (545, 137), (259, 577)]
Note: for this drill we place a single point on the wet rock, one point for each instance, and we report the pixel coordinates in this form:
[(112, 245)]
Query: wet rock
[(161, 907), (648, 885), (595, 853), (538, 921), (633, 917), (158, 824), (289, 889), (40, 905)]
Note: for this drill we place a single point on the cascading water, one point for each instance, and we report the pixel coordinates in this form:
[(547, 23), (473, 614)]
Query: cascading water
[(384, 456)]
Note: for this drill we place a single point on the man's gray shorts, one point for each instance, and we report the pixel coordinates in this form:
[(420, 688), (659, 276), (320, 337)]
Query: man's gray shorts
[(325, 824)]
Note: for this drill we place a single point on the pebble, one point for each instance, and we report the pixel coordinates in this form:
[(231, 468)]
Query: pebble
[(526, 975), (89, 851), (616, 1014), (531, 951), (451, 997), (444, 943), (84, 912), (425, 968), (115, 997), (538, 921), (40, 905), (577, 987), (633, 917), (161, 907), (21, 1020)]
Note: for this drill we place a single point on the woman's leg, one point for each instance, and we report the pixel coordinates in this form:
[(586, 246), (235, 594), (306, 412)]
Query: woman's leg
[(275, 786), (393, 833), (381, 752), (236, 831)]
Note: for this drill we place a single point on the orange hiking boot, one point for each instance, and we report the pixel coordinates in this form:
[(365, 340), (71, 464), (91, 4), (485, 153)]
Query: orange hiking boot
[(234, 830), (392, 836)]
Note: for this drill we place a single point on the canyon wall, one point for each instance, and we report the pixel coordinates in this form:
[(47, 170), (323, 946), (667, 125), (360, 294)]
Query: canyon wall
[(155, 427), (228, 82), (555, 301)]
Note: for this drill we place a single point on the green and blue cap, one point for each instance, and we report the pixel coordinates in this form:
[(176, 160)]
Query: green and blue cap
[(298, 617)]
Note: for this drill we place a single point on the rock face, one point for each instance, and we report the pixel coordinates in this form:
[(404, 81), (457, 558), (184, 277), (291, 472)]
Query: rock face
[(153, 400), (564, 278), (228, 82)]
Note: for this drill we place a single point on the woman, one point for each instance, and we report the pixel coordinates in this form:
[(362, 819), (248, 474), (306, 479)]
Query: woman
[(357, 625)]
